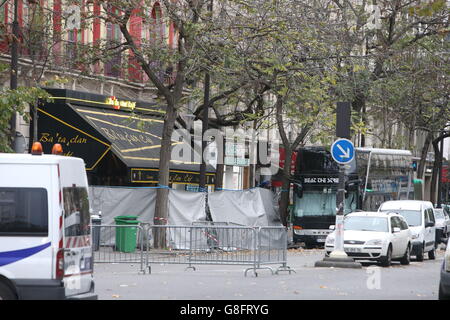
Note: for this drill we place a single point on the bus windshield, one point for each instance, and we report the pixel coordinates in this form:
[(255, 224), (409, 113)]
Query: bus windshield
[(316, 203)]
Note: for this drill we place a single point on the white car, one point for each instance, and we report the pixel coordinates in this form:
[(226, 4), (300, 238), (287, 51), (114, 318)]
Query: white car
[(420, 217), (376, 236)]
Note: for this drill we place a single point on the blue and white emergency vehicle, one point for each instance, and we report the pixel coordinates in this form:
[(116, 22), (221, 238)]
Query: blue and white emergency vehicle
[(45, 232)]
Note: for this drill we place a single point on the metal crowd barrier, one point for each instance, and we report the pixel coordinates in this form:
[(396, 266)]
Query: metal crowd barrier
[(119, 244), (217, 244)]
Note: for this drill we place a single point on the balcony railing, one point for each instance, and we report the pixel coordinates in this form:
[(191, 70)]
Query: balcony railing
[(69, 55)]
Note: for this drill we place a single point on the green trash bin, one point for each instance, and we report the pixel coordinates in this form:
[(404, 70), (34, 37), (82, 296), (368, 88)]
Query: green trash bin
[(126, 237)]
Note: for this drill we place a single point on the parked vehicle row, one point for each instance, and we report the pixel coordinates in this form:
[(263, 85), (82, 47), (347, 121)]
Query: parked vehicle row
[(398, 230), (421, 221), (375, 236)]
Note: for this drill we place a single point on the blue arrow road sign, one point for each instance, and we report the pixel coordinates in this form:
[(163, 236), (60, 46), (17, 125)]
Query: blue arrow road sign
[(343, 151)]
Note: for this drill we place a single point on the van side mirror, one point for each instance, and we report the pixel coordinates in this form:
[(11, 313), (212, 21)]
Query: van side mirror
[(332, 227), (429, 224), (395, 230)]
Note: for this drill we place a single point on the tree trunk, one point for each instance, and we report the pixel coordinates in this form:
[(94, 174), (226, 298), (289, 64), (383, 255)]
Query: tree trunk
[(218, 183), (423, 155), (436, 165), (434, 175), (162, 194)]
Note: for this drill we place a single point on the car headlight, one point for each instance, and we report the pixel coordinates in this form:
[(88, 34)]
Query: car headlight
[(329, 241), (374, 242), (414, 236)]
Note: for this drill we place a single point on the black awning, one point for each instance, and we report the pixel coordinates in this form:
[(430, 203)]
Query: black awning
[(135, 138)]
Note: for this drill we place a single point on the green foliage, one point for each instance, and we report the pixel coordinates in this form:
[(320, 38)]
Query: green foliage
[(16, 101)]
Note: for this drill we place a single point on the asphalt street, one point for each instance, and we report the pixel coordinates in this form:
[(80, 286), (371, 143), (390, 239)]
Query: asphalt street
[(419, 280)]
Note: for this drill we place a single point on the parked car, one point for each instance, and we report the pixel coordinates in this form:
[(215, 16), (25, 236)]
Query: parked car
[(376, 236), (420, 218), (444, 283), (442, 225)]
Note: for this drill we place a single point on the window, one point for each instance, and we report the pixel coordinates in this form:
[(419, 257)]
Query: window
[(403, 224), (376, 224), (439, 214), (431, 213), (394, 223), (157, 31), (429, 216), (76, 211), (4, 47), (316, 161), (113, 37), (3, 14), (412, 217), (34, 25), (317, 203), (73, 40), (23, 212)]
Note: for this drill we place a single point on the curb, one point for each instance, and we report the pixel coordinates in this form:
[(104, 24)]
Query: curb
[(338, 263)]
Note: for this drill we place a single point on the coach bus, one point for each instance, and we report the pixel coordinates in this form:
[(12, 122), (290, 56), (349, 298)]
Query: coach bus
[(374, 176)]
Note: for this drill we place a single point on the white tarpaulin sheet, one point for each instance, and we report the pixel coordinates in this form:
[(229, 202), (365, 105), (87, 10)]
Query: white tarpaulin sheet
[(254, 207), (122, 201), (184, 207)]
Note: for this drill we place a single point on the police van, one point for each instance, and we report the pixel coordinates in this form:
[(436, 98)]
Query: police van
[(45, 233)]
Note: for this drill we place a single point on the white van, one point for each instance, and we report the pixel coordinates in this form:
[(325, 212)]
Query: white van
[(421, 221), (45, 234)]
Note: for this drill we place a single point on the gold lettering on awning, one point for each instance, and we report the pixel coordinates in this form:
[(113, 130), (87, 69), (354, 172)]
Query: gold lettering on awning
[(117, 104)]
